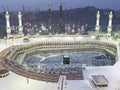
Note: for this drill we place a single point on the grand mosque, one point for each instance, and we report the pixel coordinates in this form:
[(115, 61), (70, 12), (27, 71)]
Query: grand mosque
[(60, 61)]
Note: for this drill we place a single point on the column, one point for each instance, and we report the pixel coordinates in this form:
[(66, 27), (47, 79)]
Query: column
[(8, 29), (97, 27), (20, 27), (109, 29)]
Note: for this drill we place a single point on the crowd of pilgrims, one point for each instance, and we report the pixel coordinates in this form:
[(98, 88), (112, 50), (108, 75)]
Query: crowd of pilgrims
[(53, 63)]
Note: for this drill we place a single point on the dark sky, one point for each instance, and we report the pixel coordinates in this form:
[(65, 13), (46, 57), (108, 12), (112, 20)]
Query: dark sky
[(43, 4)]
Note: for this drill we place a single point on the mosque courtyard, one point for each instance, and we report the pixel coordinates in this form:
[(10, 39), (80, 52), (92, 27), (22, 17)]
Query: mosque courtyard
[(14, 81)]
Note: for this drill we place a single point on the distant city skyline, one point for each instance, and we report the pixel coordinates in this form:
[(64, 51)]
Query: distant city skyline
[(16, 5)]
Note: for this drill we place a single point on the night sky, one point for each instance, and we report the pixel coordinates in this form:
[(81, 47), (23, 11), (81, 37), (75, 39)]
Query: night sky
[(15, 5)]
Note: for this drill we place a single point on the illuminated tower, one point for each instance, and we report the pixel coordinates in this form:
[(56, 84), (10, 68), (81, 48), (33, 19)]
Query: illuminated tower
[(97, 27), (8, 29), (109, 29), (20, 27)]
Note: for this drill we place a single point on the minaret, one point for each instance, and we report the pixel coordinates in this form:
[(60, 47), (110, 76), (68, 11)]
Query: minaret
[(8, 29), (20, 27), (97, 27), (109, 29)]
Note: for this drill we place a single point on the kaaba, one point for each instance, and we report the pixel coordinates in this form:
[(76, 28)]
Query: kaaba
[(66, 59)]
